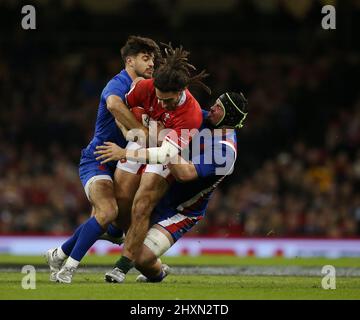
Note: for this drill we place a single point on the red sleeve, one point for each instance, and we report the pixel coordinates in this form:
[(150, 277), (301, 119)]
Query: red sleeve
[(137, 94), (183, 128)]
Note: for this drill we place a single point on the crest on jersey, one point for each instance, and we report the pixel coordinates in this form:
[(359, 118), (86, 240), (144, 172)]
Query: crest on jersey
[(166, 117)]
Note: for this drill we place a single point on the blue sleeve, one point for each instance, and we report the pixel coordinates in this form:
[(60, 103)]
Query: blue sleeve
[(205, 170), (116, 87), (212, 160)]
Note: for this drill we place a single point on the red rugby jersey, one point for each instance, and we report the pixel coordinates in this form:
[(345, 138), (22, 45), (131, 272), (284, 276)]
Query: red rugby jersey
[(186, 116)]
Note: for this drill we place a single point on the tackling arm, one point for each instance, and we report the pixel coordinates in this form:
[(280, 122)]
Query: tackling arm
[(122, 113), (110, 151), (183, 171)]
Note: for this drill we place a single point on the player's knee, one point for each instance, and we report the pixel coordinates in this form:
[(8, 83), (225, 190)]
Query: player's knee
[(107, 213), (142, 207)]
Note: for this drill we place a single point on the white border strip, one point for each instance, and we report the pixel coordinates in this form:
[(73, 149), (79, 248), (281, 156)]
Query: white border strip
[(290, 248)]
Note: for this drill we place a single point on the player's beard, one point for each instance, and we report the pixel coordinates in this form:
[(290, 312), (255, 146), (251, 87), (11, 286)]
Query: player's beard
[(147, 74)]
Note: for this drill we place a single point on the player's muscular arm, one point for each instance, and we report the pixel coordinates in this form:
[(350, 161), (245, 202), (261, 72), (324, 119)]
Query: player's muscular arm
[(183, 171), (123, 129), (122, 113), (110, 151)]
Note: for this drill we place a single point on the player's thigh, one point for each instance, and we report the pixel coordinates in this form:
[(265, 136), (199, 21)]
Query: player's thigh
[(153, 185), (102, 197), (166, 233), (127, 177), (151, 190), (125, 184), (125, 187)]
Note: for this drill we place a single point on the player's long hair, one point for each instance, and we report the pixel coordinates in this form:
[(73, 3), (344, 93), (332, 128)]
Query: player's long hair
[(174, 74)]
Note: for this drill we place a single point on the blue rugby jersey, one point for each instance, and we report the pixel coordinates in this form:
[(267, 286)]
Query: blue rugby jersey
[(192, 198), (105, 127)]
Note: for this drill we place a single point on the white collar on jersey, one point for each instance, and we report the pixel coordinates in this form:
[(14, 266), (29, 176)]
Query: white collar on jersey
[(182, 99)]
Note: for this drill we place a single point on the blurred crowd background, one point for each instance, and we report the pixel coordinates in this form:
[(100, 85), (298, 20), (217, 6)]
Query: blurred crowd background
[(298, 168)]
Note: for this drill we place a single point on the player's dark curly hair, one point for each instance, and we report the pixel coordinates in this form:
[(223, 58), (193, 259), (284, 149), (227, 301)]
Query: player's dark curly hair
[(136, 44), (174, 74)]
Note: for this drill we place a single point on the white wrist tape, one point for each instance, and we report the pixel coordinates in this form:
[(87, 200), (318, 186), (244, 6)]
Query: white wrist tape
[(157, 242), (162, 154)]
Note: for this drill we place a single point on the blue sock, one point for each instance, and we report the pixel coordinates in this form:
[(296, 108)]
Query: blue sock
[(70, 243), (114, 231), (158, 278), (90, 232)]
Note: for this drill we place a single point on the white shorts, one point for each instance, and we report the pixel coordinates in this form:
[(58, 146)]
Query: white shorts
[(93, 179), (139, 168)]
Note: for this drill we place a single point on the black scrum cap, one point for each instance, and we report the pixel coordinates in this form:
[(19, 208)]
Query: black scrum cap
[(235, 109)]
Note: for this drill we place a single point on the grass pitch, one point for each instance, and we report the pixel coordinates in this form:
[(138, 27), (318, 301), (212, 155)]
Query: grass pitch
[(90, 285)]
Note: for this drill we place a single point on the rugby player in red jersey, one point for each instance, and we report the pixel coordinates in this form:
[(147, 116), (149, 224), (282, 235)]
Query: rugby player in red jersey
[(166, 99), (169, 99)]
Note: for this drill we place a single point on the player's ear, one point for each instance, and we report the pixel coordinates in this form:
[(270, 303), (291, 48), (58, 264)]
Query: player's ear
[(130, 61)]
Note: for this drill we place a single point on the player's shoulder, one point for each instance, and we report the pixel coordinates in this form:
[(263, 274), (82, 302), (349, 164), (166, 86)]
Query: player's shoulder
[(145, 84), (190, 100), (142, 87), (192, 109), (120, 80), (141, 90), (118, 85), (122, 76)]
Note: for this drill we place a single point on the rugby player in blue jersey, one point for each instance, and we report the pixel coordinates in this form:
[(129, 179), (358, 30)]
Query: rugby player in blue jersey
[(139, 55), (185, 204)]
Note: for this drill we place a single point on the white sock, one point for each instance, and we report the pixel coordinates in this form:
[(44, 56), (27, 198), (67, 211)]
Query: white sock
[(61, 254), (71, 263)]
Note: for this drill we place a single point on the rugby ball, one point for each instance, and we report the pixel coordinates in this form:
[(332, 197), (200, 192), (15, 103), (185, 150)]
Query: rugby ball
[(141, 115)]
